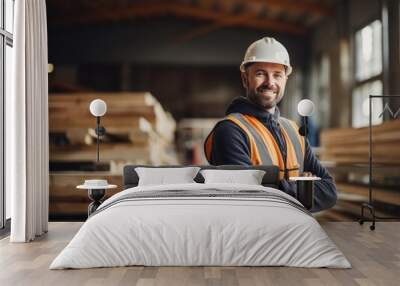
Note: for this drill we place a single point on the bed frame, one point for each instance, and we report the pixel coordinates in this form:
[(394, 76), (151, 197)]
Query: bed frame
[(271, 177)]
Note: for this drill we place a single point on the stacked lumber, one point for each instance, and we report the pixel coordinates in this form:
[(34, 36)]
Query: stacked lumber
[(138, 131), (351, 145), (345, 153)]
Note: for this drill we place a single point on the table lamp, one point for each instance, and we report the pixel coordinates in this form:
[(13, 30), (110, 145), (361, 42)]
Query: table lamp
[(305, 185)]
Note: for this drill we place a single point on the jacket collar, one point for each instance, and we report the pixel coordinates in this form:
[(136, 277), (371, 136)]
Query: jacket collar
[(244, 106)]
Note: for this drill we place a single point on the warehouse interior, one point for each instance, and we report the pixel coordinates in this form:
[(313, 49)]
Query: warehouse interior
[(169, 69)]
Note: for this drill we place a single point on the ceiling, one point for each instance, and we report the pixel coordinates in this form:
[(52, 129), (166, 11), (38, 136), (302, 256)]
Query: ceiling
[(293, 17)]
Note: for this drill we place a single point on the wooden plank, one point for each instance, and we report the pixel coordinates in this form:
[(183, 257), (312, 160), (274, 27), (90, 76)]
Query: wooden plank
[(381, 171), (87, 136), (340, 134), (71, 120), (123, 110), (349, 149), (351, 145), (108, 152), (149, 154), (380, 194), (81, 98), (360, 137), (350, 159)]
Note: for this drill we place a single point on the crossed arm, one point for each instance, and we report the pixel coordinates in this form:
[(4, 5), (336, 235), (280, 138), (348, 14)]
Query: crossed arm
[(230, 147)]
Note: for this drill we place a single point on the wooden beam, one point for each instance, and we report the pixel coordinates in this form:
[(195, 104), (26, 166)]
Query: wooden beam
[(274, 26), (220, 19), (298, 7), (186, 37), (206, 3), (106, 13)]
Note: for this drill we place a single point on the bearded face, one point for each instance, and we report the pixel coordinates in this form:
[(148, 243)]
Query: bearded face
[(265, 83)]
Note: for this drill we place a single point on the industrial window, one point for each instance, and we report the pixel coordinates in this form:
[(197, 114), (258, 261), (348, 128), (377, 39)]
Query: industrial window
[(369, 51), (321, 91), (361, 103), (6, 43), (368, 74)]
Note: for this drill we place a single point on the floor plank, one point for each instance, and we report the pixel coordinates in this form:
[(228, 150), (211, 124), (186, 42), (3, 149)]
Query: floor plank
[(375, 256)]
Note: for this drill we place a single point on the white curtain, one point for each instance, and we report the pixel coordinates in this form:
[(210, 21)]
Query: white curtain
[(27, 124)]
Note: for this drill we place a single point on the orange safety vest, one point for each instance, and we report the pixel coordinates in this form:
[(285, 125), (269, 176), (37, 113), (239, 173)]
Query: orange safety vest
[(264, 149)]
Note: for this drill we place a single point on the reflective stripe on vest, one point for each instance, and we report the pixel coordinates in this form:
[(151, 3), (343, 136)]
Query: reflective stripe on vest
[(258, 145), (264, 150)]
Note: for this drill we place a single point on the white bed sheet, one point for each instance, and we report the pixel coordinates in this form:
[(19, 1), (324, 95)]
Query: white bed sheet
[(191, 231)]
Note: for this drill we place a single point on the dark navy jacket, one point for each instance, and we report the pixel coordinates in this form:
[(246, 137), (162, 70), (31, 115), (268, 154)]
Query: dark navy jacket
[(231, 147)]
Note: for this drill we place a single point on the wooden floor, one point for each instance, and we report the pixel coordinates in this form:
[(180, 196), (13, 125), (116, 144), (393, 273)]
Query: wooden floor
[(375, 256)]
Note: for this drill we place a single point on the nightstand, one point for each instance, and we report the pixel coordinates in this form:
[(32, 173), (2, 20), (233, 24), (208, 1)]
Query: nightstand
[(305, 190), (96, 191)]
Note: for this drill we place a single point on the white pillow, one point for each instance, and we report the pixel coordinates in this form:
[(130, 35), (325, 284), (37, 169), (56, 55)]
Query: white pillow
[(163, 176), (248, 177)]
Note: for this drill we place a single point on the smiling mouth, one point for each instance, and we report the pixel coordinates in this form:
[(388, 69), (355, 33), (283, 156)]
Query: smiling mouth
[(267, 92)]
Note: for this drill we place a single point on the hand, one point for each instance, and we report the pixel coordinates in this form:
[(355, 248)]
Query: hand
[(307, 174)]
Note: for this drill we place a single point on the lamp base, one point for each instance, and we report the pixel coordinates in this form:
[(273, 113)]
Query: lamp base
[(96, 195)]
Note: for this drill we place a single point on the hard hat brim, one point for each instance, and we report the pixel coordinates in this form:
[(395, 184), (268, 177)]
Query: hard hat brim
[(289, 69)]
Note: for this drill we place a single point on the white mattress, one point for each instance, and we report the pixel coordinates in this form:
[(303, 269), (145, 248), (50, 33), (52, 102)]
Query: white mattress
[(189, 230)]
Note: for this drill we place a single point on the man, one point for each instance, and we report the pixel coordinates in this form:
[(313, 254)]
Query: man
[(254, 133)]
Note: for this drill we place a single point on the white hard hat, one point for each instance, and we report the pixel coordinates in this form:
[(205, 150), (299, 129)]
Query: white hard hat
[(267, 50)]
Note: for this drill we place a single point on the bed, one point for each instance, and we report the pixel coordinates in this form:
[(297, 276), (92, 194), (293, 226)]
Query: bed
[(201, 224)]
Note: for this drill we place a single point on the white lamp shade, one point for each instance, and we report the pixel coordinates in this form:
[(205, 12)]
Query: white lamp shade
[(305, 107), (98, 107)]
